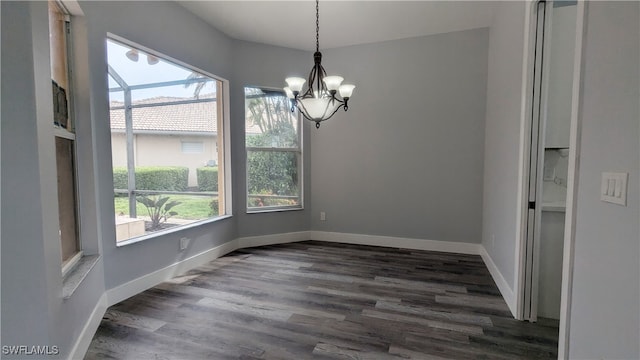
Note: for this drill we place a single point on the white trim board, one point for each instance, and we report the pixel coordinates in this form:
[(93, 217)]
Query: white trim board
[(568, 255), (272, 239), (86, 335), (503, 285), (136, 286), (429, 245), (397, 242)]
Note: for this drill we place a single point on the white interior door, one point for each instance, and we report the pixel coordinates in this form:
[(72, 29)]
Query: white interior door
[(536, 162)]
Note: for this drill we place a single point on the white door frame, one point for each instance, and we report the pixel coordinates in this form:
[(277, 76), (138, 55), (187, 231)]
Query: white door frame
[(536, 121), (572, 184), (572, 179)]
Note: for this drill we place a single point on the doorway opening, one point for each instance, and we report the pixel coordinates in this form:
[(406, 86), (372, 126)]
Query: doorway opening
[(550, 160)]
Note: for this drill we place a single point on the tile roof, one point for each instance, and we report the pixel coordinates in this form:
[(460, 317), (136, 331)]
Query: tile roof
[(190, 117), (199, 117)]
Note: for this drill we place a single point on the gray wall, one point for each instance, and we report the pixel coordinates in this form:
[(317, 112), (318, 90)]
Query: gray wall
[(171, 30), (502, 140), (22, 241), (410, 167), (33, 310), (605, 306), (264, 66), (406, 160)]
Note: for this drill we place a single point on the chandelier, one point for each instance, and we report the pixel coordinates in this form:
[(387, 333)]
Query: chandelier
[(319, 102)]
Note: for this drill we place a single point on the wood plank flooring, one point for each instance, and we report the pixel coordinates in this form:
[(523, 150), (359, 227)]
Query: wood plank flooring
[(316, 300)]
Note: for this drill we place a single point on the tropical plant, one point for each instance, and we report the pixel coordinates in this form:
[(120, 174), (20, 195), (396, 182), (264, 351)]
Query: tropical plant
[(270, 111), (195, 79), (158, 208)]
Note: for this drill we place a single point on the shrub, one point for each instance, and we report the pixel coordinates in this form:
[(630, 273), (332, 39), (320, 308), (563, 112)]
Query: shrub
[(273, 173), (120, 178), (167, 178), (207, 178)]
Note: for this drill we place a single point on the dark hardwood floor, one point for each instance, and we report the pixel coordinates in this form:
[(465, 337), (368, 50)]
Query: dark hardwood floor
[(316, 300)]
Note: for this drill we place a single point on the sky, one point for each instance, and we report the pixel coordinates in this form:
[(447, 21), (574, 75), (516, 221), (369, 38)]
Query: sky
[(140, 72)]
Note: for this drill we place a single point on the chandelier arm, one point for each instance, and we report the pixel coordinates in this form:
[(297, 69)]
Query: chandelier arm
[(321, 75), (335, 111), (312, 77)]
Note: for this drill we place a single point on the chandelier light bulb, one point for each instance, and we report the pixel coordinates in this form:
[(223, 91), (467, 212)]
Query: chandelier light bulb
[(295, 83), (346, 90), (333, 82)]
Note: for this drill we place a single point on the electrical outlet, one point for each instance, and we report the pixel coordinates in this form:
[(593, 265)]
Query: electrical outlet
[(323, 216), (184, 243)]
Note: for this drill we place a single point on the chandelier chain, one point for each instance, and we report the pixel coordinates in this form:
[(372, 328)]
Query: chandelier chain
[(320, 100), (317, 25)]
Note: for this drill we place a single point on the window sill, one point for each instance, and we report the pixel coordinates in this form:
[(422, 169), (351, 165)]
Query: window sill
[(274, 209), (171, 231), (73, 279)]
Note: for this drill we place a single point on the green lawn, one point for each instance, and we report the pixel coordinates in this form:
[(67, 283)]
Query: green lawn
[(191, 207)]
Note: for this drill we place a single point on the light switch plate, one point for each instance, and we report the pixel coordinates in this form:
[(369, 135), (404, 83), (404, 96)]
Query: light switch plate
[(614, 188)]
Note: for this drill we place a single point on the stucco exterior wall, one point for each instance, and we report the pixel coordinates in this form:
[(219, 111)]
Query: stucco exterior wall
[(164, 150)]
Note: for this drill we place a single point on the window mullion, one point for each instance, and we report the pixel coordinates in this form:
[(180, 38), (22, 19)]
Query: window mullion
[(272, 149)]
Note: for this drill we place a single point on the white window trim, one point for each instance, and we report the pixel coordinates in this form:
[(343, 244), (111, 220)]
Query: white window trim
[(276, 208), (59, 132), (223, 98), (70, 264), (298, 150)]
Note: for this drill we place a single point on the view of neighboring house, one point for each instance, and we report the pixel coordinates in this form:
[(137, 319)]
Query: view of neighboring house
[(167, 131)]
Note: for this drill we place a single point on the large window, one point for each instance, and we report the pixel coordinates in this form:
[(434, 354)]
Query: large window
[(64, 136), (167, 143), (274, 151)]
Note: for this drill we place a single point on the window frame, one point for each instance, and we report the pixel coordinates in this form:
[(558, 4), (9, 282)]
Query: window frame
[(225, 199), (298, 151), (69, 133)]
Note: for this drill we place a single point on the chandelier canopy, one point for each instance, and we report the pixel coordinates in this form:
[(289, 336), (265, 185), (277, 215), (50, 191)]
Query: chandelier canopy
[(319, 102)]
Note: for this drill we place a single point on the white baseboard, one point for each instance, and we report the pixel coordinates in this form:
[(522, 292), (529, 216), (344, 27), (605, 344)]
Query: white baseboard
[(86, 335), (253, 241), (503, 286), (145, 282), (397, 242), (430, 245), (150, 280)]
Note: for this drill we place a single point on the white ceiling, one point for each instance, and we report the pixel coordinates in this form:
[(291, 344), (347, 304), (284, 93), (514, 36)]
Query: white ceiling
[(342, 23)]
